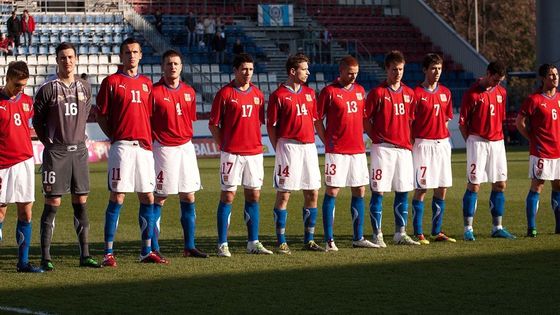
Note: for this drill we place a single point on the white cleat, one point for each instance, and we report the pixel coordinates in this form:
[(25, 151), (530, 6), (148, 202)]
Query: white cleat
[(363, 243), (257, 248), (403, 239), (378, 240), (330, 246), (223, 251)]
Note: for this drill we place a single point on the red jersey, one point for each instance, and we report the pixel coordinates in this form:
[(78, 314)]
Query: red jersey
[(432, 112), (344, 110), (391, 113), (174, 112), (239, 114), (15, 138), (483, 111), (541, 114), (293, 113), (127, 101)]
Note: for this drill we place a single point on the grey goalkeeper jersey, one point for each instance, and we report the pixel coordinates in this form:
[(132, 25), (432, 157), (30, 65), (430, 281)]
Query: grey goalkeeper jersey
[(61, 111)]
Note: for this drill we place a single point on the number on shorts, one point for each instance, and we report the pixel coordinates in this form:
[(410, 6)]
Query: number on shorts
[(284, 172), (540, 164), (160, 176), (226, 167), (17, 119), (423, 170), (49, 177), (377, 174), (473, 169), (330, 169), (116, 173)]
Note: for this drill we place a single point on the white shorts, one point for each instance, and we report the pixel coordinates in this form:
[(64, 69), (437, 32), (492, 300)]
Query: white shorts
[(296, 166), (486, 160), (544, 169), (346, 170), (17, 183), (176, 169), (432, 163), (391, 168), (130, 168), (246, 170)]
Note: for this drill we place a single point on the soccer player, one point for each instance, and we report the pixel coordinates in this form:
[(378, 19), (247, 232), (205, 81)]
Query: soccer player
[(342, 104), (62, 106), (481, 118), (235, 123), (291, 116), (431, 153), (175, 159), (124, 109), (538, 121), (389, 113), (17, 178)]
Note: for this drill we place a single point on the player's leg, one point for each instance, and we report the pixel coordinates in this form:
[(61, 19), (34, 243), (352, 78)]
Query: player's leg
[(476, 164), (223, 220), (23, 237), (418, 215), (3, 209), (532, 205), (188, 222), (497, 208), (555, 196), (112, 214), (336, 170), (402, 183), (380, 181), (310, 184), (52, 203), (358, 215), (438, 210), (309, 212), (328, 209), (280, 217)]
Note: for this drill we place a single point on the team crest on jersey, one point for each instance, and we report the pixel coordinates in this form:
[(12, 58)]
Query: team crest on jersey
[(443, 97), (359, 96), (308, 97), (406, 98), (144, 87), (81, 96), (187, 97), (499, 98), (257, 100), (25, 107)]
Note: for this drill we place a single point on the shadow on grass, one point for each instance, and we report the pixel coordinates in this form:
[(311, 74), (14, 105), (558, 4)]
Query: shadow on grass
[(502, 283)]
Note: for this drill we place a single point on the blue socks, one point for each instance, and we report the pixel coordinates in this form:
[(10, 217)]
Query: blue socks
[(23, 238), (146, 222), (224, 213), (111, 222), (251, 216), (497, 202), (280, 216), (556, 207), (400, 208), (157, 219), (357, 211), (376, 211), (188, 216), (309, 220), (1, 224), (417, 215), (469, 203), (438, 208), (328, 216), (531, 208)]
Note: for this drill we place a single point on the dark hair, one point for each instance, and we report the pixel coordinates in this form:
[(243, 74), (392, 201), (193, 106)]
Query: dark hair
[(171, 53), (294, 61), (394, 56), (544, 68), (497, 67), (348, 61), (431, 59), (242, 58), (129, 41), (64, 46), (17, 70)]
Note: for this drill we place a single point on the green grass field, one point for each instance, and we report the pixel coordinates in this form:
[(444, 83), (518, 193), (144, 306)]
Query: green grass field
[(486, 276)]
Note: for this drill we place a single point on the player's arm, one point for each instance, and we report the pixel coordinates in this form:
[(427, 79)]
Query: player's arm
[(103, 122), (464, 114), (272, 135), (41, 110), (103, 99), (271, 119), (369, 111), (521, 124), (215, 131), (216, 118), (322, 103)]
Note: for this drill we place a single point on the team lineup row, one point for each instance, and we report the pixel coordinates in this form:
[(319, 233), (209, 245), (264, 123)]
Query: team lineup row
[(150, 127)]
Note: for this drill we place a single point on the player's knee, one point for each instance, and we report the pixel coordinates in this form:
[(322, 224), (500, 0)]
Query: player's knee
[(187, 197), (54, 201), (117, 197), (473, 187), (146, 198), (227, 196), (499, 186), (333, 191), (310, 196)]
